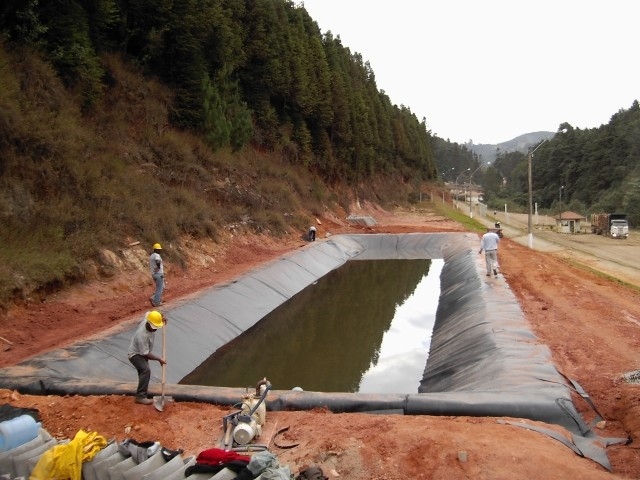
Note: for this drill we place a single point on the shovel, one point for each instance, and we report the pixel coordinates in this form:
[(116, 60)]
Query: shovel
[(159, 402)]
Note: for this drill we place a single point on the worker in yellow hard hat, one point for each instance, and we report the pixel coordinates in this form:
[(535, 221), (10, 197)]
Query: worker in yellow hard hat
[(141, 351), (157, 273)]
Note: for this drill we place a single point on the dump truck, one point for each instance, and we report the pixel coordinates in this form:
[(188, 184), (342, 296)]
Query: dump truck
[(612, 225)]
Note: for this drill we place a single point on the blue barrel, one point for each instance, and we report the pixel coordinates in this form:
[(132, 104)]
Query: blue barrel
[(17, 431)]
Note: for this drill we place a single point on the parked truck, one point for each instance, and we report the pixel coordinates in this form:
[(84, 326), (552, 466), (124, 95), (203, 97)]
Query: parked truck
[(612, 225)]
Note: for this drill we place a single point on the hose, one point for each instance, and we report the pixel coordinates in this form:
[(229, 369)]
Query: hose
[(262, 396)]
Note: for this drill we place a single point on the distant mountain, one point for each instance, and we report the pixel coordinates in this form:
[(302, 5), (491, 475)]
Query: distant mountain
[(487, 152)]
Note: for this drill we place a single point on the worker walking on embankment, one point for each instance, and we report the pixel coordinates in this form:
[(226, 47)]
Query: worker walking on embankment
[(489, 243), (157, 273)]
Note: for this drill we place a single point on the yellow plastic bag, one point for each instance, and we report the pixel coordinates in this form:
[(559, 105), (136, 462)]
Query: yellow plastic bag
[(64, 462)]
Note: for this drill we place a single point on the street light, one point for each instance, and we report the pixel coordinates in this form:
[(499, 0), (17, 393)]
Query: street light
[(465, 188), (470, 194), (529, 229), (529, 158), (455, 203), (454, 197), (444, 174)]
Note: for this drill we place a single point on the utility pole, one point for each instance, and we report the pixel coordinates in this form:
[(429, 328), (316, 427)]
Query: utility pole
[(529, 220), (560, 206), (470, 191)]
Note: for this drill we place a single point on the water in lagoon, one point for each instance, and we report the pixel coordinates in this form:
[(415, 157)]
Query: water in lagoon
[(365, 327)]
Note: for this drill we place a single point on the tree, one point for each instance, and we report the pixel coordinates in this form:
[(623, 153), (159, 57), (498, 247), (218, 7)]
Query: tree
[(70, 48), (217, 129)]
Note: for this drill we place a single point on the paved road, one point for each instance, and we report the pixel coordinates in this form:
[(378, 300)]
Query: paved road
[(614, 257)]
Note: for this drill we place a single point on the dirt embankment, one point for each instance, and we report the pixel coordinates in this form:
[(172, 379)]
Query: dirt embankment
[(590, 324)]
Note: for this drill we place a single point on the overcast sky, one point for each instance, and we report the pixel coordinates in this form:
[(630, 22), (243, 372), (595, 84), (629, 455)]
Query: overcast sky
[(491, 70)]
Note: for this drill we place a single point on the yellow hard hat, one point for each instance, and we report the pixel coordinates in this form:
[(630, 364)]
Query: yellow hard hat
[(157, 246), (154, 317)]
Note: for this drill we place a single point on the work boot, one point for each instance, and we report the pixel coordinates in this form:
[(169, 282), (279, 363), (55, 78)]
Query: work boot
[(144, 401)]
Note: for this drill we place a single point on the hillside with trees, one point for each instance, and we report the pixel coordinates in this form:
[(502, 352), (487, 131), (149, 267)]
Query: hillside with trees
[(146, 120), (585, 171), (141, 120)]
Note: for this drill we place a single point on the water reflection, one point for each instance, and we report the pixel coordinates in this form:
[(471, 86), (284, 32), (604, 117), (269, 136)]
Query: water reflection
[(405, 345), (348, 332)]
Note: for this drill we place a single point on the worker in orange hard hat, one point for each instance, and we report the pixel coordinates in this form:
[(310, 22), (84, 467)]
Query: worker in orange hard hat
[(157, 273), (141, 351)]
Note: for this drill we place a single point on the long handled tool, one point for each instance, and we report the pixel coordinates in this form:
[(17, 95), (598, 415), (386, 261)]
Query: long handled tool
[(159, 402)]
